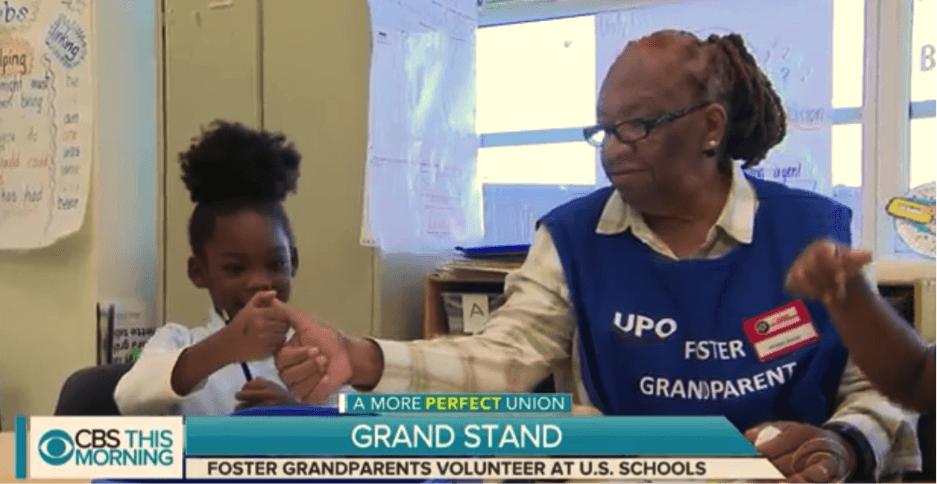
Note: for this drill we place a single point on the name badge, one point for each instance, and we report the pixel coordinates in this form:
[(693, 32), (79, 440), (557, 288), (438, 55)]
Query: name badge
[(780, 331)]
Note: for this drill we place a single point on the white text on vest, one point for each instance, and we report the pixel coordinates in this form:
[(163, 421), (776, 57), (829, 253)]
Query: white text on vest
[(713, 350), (715, 389), (639, 324)]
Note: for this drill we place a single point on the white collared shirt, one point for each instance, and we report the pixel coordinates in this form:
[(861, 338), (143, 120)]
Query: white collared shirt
[(735, 224)]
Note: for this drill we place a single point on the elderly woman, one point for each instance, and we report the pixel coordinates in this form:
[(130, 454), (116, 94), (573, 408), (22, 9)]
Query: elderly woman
[(666, 291)]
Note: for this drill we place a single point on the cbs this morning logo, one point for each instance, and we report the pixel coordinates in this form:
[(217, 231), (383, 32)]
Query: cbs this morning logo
[(107, 447), (95, 445)]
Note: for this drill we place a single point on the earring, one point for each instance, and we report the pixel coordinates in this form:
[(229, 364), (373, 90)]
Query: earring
[(712, 149)]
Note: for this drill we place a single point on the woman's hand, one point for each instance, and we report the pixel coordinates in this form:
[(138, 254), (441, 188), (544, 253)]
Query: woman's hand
[(803, 452), (315, 362), (263, 392), (303, 369), (822, 270)]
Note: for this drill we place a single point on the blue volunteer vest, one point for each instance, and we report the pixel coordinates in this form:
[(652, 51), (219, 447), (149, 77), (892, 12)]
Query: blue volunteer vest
[(617, 283)]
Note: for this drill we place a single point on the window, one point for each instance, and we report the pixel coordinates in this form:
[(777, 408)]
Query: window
[(847, 94), (923, 161), (536, 76), (922, 154), (536, 85), (848, 53), (536, 90), (923, 77)]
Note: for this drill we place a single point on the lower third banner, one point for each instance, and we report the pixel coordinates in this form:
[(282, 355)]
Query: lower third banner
[(574, 468)]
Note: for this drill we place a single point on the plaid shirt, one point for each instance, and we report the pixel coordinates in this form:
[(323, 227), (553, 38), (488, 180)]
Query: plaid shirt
[(531, 337)]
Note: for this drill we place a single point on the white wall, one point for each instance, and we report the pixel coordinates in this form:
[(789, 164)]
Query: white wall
[(47, 321), (127, 153), (401, 291)]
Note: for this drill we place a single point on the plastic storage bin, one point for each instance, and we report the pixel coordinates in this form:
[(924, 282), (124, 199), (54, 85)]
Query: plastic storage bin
[(452, 301)]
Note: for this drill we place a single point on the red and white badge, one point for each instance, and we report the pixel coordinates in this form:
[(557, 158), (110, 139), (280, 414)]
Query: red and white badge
[(780, 331)]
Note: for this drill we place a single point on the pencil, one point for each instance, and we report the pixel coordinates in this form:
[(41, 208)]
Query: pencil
[(244, 367)]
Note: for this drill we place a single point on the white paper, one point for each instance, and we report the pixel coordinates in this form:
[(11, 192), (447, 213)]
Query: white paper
[(474, 312), (46, 117), (367, 239), (131, 330), (919, 237), (421, 190), (792, 42)]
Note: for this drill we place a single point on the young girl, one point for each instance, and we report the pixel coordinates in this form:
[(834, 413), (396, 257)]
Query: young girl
[(243, 252)]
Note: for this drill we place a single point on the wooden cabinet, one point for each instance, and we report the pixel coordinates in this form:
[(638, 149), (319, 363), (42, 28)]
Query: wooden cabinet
[(435, 321)]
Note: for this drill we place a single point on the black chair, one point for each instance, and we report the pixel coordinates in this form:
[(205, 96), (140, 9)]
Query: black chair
[(925, 433), (90, 391), (546, 386)]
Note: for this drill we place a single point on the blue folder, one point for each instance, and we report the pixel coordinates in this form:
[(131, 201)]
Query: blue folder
[(494, 251)]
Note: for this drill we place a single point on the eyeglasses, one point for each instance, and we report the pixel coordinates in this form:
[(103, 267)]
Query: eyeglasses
[(635, 129)]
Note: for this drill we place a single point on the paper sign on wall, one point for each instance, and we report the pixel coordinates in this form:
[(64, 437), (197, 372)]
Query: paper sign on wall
[(474, 312), (421, 191), (123, 331), (45, 120), (914, 218)]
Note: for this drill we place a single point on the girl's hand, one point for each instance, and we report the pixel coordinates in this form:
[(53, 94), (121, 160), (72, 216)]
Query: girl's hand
[(258, 330), (263, 392)]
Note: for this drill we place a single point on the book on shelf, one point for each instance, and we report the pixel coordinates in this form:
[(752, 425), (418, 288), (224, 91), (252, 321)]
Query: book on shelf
[(501, 258), (480, 265)]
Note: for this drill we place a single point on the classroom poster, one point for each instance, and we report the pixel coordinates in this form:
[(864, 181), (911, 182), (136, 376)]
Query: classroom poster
[(45, 120), (122, 331), (421, 192)]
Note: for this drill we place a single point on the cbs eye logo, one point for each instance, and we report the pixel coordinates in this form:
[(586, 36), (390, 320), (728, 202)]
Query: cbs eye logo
[(56, 447)]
